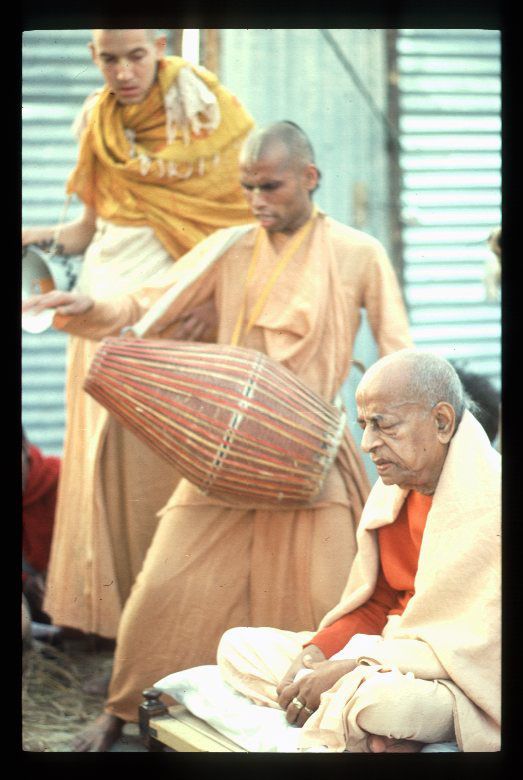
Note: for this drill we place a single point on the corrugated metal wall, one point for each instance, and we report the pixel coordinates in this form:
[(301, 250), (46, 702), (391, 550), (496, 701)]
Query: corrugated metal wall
[(450, 125), (57, 76)]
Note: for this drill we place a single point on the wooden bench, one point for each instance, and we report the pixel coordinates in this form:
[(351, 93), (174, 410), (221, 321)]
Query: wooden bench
[(177, 729)]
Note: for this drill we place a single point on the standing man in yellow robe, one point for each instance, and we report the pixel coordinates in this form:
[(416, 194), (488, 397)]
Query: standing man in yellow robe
[(291, 287), (157, 172)]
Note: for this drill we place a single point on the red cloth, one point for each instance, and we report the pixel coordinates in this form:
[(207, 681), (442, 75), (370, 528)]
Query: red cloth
[(38, 508), (399, 545)]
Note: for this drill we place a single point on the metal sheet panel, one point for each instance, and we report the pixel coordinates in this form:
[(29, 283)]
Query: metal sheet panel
[(450, 131), (57, 75)]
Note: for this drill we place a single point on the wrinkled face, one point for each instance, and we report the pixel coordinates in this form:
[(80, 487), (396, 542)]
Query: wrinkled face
[(128, 60), (277, 191), (402, 438)]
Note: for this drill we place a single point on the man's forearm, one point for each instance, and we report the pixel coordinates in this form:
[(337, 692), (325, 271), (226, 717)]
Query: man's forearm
[(75, 237), (72, 238), (104, 318)]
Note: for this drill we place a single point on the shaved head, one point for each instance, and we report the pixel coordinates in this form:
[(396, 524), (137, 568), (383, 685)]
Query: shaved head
[(284, 137), (151, 35), (278, 176)]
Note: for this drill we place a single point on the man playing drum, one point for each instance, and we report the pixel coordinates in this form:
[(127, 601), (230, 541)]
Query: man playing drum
[(291, 287), (154, 142)]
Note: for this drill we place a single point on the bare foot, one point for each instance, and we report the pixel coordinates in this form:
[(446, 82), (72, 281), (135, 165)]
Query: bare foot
[(98, 684), (99, 736), (379, 744)]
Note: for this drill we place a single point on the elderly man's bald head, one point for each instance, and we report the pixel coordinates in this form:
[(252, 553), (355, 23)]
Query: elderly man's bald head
[(409, 405), (280, 136), (424, 377)]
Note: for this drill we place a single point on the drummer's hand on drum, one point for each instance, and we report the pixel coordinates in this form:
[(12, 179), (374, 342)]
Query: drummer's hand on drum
[(199, 324), (64, 303)]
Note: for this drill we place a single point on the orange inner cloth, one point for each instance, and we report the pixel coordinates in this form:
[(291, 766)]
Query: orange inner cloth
[(399, 545)]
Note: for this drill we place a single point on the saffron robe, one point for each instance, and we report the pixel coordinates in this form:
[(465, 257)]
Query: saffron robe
[(399, 546), (102, 533)]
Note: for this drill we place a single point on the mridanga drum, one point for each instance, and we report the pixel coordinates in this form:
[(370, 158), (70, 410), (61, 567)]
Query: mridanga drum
[(234, 422)]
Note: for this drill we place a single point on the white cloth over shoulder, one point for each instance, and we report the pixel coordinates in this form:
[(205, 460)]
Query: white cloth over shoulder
[(190, 107)]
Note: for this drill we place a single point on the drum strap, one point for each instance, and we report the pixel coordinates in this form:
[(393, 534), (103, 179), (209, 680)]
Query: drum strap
[(189, 269), (289, 252)]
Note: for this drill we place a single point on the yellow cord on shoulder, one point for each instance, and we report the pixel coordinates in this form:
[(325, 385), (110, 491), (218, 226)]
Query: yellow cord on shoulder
[(289, 252)]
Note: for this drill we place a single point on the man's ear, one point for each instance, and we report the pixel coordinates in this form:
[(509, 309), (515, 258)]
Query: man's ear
[(160, 45), (311, 177), (445, 421), (92, 50)]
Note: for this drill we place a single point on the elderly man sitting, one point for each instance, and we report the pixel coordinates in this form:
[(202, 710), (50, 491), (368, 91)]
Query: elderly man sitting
[(411, 654)]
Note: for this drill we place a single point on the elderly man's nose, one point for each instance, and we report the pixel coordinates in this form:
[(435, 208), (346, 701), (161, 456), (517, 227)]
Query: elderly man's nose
[(368, 440)]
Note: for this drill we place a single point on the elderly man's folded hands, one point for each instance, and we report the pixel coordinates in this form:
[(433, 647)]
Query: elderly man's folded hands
[(301, 697)]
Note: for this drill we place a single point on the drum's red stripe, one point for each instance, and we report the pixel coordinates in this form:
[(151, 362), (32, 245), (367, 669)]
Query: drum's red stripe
[(265, 367), (241, 442), (256, 409), (185, 425), (134, 378), (285, 399), (241, 433), (242, 470)]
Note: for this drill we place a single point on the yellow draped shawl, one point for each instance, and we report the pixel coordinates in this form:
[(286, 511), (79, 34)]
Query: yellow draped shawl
[(185, 189)]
